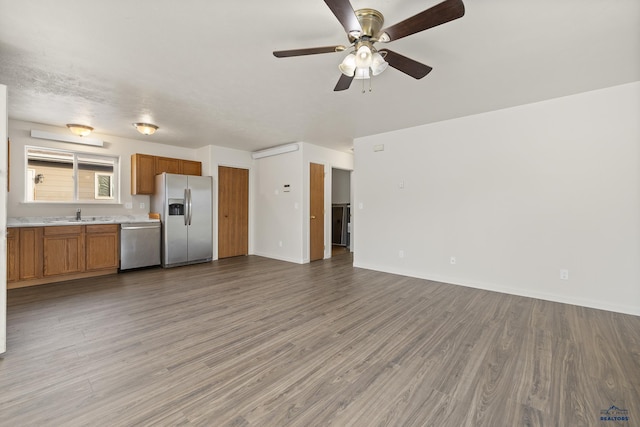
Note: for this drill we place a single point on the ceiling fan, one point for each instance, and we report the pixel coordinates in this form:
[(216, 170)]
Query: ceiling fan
[(364, 29)]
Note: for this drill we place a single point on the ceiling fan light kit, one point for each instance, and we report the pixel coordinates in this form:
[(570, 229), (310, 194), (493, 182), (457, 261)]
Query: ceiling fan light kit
[(364, 28), (348, 65), (378, 64)]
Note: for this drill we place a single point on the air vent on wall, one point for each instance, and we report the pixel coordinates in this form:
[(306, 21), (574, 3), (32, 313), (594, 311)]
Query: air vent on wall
[(66, 138), (274, 151)]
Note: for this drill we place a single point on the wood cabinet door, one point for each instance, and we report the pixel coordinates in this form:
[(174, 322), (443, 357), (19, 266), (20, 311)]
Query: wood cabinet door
[(101, 244), (30, 253), (316, 208), (63, 249), (233, 212), (13, 242), (168, 165), (190, 167), (142, 174)]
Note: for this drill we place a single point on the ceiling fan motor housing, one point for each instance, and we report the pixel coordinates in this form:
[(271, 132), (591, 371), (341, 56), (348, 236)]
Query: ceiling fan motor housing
[(371, 22)]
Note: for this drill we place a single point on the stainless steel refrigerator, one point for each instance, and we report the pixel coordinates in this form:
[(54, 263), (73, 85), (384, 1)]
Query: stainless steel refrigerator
[(185, 205)]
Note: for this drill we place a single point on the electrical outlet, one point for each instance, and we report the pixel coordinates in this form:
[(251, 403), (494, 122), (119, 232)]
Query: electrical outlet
[(128, 205), (564, 274), (401, 254), (141, 205), (452, 260), (280, 243)]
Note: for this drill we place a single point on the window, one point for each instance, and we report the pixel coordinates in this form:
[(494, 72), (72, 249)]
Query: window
[(104, 186), (70, 177)]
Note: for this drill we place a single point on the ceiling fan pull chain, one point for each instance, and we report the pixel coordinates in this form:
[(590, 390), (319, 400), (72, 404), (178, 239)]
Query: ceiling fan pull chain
[(370, 79), (363, 91)]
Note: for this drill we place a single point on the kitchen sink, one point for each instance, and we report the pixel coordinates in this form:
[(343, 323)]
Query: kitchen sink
[(74, 221)]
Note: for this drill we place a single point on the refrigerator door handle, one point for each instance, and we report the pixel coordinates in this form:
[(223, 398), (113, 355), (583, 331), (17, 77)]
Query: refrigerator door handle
[(190, 207), (186, 206)]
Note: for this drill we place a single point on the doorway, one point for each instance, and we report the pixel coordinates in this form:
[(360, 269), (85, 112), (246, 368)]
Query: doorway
[(233, 212), (340, 211), (316, 212)]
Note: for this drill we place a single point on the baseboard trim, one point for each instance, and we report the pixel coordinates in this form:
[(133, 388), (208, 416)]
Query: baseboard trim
[(581, 302)]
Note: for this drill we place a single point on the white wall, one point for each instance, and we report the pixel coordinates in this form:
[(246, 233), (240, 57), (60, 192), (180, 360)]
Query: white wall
[(20, 135), (3, 218), (279, 214), (515, 195)]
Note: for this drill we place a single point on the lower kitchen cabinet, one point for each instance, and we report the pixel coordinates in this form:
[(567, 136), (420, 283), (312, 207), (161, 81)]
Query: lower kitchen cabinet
[(101, 244), (63, 249), (13, 246), (29, 253), (39, 255)]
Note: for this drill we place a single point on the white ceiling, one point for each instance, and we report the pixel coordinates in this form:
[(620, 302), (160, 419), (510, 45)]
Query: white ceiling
[(203, 70)]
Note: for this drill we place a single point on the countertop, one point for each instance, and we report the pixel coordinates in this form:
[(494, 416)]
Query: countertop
[(39, 221)]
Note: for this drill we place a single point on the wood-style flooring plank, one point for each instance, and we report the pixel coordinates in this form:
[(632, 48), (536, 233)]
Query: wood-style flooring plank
[(250, 341)]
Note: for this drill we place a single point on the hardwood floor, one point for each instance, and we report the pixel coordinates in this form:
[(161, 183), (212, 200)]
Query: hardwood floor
[(249, 341), (339, 250)]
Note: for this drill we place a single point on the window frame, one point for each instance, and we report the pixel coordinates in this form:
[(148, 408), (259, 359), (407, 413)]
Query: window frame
[(115, 177)]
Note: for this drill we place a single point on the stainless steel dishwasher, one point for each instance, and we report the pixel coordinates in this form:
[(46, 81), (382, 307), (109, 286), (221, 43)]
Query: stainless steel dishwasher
[(139, 245)]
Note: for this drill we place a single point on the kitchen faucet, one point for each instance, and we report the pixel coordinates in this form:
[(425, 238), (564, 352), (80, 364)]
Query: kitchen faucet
[(78, 214)]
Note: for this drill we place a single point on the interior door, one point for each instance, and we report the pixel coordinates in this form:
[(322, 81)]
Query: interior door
[(316, 211), (233, 212)]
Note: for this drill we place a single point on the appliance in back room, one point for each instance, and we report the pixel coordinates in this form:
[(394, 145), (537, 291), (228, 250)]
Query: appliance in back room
[(185, 204)]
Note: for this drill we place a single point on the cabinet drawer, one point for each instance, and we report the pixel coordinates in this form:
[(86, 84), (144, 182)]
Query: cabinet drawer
[(102, 228), (63, 229), (12, 233)]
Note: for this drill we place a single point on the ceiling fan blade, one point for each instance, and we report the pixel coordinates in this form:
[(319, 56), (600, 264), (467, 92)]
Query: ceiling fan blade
[(308, 51), (343, 83), (441, 13), (408, 66), (343, 10)]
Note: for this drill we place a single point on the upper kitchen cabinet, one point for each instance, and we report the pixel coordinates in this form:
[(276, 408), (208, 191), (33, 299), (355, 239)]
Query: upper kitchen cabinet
[(142, 173), (168, 165), (145, 167), (190, 167)]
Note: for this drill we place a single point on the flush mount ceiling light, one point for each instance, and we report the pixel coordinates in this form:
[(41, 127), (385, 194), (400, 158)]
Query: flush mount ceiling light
[(80, 130), (146, 128)]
